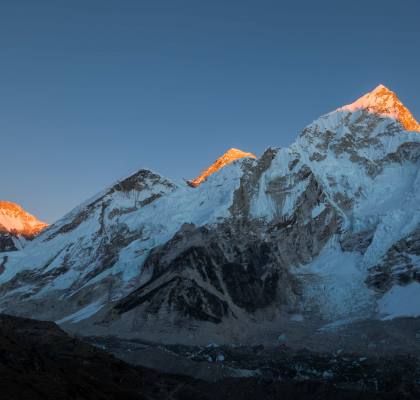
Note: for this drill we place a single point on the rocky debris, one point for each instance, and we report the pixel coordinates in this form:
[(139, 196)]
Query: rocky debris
[(344, 370), (39, 361), (369, 374)]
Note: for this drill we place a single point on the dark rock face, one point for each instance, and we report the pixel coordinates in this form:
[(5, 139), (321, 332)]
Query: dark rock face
[(205, 275), (400, 265), (359, 241), (183, 295), (139, 181), (6, 242), (246, 289)]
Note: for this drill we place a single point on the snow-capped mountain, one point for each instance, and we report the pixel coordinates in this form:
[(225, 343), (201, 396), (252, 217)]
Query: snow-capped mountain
[(17, 226), (324, 231)]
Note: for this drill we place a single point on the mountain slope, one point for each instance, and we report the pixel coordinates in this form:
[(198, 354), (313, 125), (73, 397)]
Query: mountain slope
[(302, 233)]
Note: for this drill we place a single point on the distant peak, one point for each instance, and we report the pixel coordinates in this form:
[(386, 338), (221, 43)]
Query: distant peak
[(14, 219), (385, 103), (230, 156)]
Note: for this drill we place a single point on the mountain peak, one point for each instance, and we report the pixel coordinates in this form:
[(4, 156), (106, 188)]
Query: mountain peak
[(14, 219), (381, 89), (230, 156), (385, 103)]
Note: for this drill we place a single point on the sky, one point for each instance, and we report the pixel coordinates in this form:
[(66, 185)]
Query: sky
[(91, 91)]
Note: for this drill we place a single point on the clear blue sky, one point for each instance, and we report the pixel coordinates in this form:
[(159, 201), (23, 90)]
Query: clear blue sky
[(92, 90)]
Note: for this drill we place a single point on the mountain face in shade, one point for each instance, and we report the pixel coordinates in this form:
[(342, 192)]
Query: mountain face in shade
[(16, 224), (322, 233), (227, 158)]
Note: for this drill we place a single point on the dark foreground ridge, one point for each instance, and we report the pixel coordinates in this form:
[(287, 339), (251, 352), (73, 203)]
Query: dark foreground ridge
[(38, 360)]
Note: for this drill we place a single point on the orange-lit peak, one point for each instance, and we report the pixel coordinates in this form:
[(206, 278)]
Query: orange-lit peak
[(227, 158), (14, 219), (385, 103)]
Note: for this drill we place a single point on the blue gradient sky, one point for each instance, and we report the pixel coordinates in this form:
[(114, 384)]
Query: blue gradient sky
[(92, 90)]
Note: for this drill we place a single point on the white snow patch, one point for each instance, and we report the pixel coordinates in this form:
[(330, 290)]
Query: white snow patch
[(334, 284), (401, 301), (318, 210), (83, 313)]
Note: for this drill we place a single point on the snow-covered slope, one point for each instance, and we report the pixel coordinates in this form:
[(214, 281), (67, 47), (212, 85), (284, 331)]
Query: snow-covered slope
[(16, 226), (326, 229)]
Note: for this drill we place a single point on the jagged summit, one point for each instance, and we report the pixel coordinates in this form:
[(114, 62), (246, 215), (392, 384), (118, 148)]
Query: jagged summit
[(14, 219), (227, 158), (384, 102)]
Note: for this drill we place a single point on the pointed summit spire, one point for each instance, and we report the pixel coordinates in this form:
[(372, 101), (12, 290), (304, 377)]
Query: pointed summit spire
[(381, 88), (230, 156), (385, 103)]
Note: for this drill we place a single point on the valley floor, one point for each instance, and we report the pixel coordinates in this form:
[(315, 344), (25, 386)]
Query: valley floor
[(38, 360)]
